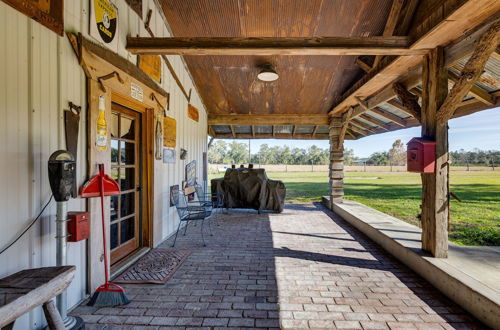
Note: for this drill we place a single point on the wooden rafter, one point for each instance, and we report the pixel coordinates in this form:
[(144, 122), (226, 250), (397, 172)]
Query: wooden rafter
[(388, 115), (364, 66), (464, 17), (298, 136), (290, 119), (233, 133), (476, 91), (376, 45), (390, 25), (313, 134), (363, 126), (357, 130), (470, 72), (252, 128), (408, 100), (375, 121)]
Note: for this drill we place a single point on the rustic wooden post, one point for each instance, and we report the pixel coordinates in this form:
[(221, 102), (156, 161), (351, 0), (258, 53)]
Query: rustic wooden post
[(435, 186), (336, 168)]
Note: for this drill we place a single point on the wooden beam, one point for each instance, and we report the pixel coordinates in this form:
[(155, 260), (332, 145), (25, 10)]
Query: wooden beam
[(285, 119), (346, 117), (375, 121), (294, 130), (388, 115), (408, 100), (298, 136), (463, 17), (357, 130), (390, 25), (364, 66), (233, 133), (435, 186), (252, 127), (471, 71), (375, 45), (398, 105), (476, 91), (363, 125), (314, 131)]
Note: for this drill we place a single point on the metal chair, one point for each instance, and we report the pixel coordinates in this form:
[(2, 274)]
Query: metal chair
[(190, 213), (215, 201)]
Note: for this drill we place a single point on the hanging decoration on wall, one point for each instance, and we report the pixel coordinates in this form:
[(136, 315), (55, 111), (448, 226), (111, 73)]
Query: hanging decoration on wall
[(169, 132), (151, 65), (174, 190), (183, 154), (49, 13), (168, 155), (193, 113), (101, 140), (158, 138), (104, 23)]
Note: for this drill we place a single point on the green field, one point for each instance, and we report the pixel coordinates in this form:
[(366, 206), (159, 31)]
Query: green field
[(474, 221)]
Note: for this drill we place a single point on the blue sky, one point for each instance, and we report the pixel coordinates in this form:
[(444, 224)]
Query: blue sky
[(479, 130)]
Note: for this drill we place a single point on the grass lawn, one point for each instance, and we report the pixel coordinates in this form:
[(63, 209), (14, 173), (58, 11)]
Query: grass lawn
[(474, 221)]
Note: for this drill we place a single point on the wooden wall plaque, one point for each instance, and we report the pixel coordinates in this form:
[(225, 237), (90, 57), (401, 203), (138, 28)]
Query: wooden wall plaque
[(169, 132), (151, 65), (49, 13), (193, 113)]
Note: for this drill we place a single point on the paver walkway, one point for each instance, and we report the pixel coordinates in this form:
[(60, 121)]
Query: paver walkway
[(303, 268)]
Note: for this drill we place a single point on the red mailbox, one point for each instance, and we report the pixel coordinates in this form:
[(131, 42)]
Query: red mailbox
[(421, 155), (78, 226)]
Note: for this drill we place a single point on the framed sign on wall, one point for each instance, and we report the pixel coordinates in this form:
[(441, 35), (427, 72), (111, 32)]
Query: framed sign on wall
[(49, 13), (104, 23), (151, 65), (169, 132), (193, 113)]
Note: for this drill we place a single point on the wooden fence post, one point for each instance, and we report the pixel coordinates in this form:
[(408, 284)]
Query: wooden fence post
[(435, 186)]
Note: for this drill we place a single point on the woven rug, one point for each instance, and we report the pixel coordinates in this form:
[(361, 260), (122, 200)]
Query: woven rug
[(156, 266)]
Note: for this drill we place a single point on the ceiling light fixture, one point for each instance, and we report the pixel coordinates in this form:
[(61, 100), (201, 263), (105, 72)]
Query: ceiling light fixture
[(267, 74)]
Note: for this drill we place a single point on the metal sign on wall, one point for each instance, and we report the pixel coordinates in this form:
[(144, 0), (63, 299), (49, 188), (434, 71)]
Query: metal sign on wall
[(151, 65), (104, 23), (193, 113), (46, 12), (169, 132)]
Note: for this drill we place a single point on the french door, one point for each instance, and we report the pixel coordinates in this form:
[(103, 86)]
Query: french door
[(125, 221)]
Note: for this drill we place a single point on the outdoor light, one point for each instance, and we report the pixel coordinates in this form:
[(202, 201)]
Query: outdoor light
[(267, 74)]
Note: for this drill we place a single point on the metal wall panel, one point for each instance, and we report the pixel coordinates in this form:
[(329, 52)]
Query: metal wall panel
[(40, 74)]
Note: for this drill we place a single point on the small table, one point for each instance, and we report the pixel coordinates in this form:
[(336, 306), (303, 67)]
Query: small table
[(29, 288)]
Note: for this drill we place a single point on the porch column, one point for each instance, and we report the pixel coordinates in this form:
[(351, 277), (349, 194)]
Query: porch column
[(435, 186), (336, 168)]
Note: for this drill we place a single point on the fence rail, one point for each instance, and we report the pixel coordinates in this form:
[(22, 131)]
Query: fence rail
[(218, 168)]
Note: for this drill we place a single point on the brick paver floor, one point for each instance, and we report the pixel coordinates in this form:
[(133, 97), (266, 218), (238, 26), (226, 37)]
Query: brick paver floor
[(303, 268)]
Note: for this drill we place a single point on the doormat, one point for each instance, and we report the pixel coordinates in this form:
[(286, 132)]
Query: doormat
[(156, 267)]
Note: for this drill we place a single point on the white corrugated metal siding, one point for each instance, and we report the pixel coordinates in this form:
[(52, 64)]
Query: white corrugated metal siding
[(39, 75)]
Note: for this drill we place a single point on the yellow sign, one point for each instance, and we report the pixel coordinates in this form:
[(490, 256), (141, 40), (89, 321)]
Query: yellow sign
[(104, 22), (151, 65), (169, 132), (193, 113)]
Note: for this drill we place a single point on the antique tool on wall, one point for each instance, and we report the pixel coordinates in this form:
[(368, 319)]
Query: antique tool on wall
[(108, 294), (62, 169), (71, 126)]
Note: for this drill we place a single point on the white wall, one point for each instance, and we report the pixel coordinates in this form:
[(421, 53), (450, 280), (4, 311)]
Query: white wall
[(39, 75)]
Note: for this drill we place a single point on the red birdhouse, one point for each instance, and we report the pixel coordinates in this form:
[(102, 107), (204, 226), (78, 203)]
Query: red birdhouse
[(421, 155)]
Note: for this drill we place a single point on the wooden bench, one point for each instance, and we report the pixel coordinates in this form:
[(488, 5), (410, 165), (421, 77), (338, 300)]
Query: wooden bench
[(29, 288)]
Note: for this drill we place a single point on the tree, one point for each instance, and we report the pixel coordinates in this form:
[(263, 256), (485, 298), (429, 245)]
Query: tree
[(238, 153), (349, 157), (397, 154), (217, 152), (378, 158)]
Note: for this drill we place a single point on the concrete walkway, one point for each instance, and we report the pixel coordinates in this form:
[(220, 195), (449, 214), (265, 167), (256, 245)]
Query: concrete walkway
[(303, 268)]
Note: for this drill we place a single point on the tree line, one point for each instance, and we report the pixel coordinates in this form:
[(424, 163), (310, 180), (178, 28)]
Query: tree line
[(236, 152)]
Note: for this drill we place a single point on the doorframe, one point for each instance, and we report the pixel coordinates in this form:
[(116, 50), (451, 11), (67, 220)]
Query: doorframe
[(147, 171)]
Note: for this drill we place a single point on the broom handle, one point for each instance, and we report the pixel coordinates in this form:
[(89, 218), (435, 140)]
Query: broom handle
[(101, 193)]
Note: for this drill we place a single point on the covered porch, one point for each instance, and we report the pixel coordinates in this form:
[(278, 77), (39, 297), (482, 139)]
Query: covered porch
[(303, 268)]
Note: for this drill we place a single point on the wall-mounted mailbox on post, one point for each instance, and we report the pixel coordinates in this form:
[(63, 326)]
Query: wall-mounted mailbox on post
[(421, 155)]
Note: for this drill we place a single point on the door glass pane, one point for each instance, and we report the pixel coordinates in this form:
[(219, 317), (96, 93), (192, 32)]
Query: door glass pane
[(127, 153), (114, 152), (127, 229), (114, 207), (128, 204), (127, 128), (113, 235), (127, 179), (113, 127), (115, 173)]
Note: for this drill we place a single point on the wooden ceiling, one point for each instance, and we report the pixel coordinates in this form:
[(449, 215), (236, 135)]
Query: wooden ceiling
[(307, 84)]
